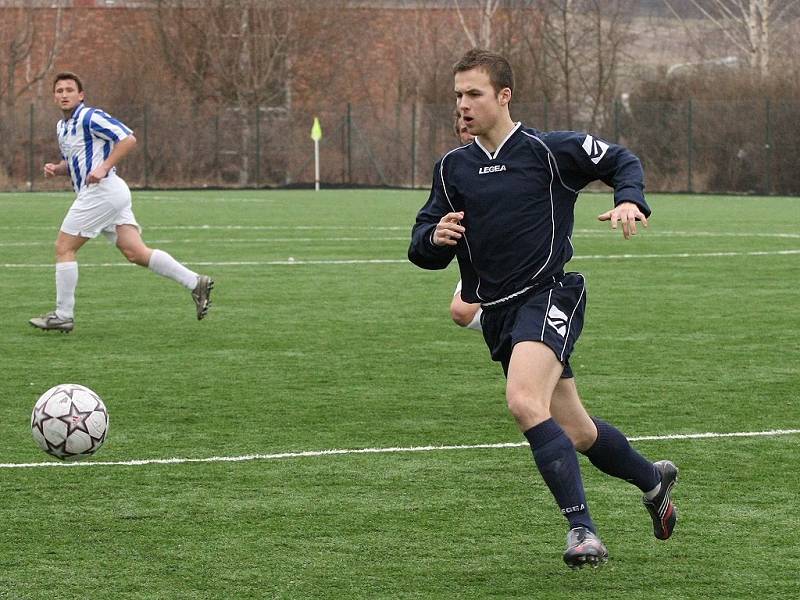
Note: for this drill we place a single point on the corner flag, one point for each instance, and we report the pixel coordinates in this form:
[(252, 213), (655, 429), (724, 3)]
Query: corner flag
[(316, 130), (316, 135)]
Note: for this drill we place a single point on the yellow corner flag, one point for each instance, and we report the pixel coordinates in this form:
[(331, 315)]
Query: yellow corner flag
[(316, 130)]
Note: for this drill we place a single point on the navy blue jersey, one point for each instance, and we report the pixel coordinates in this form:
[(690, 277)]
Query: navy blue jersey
[(518, 205)]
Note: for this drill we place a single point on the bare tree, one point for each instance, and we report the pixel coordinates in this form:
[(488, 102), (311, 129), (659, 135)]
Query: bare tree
[(30, 40), (234, 53), (574, 48), (562, 41), (749, 26), (485, 10), (609, 33)]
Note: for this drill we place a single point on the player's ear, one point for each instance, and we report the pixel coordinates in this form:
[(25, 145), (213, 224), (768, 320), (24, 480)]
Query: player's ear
[(504, 97)]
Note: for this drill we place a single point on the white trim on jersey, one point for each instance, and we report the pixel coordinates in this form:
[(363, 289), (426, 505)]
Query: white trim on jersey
[(493, 156), (572, 315), (555, 162), (550, 164), (450, 202)]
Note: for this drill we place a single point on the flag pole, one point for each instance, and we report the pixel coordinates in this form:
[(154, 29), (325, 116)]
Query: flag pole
[(316, 165), (316, 135)]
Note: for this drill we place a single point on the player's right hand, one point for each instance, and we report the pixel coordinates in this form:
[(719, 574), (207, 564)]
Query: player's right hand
[(449, 229), (50, 170)]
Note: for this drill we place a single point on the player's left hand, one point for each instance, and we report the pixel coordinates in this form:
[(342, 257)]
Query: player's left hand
[(97, 175), (626, 213)]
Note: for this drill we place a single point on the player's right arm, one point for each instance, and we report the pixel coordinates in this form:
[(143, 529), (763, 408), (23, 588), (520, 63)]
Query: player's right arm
[(585, 158), (53, 169), (437, 230)]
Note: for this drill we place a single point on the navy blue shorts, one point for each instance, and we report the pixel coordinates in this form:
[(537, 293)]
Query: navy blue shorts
[(552, 314)]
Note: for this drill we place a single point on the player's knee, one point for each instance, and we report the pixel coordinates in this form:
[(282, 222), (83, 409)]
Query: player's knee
[(462, 315), (64, 252), (525, 406), (133, 255)]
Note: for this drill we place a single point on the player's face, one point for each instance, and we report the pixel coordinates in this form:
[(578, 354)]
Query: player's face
[(66, 94), (476, 101)]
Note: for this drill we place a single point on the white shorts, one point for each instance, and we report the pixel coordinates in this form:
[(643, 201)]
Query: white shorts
[(99, 208)]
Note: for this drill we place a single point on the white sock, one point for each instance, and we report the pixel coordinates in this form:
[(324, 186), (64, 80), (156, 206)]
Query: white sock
[(476, 321), (163, 264), (654, 492), (66, 282)]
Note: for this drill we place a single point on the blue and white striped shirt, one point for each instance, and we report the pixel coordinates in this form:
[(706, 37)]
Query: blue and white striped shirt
[(86, 139)]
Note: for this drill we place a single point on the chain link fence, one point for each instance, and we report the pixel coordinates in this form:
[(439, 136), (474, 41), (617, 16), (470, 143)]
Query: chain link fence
[(688, 146)]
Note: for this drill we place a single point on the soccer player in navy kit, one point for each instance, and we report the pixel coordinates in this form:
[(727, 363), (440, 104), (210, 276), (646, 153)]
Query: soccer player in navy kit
[(503, 206), (92, 143)]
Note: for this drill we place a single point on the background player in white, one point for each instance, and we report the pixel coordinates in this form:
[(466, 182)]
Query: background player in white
[(92, 143), (463, 313)]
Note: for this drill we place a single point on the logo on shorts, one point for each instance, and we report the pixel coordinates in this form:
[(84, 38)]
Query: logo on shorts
[(557, 320)]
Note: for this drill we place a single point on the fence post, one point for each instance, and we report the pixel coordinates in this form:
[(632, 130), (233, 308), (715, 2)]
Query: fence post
[(768, 145), (689, 147), (545, 128), (217, 166), (349, 145), (145, 131), (413, 145), (30, 149), (258, 147)]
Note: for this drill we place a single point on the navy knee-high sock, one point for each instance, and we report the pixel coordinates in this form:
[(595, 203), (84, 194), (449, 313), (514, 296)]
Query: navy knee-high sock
[(557, 461), (612, 454)]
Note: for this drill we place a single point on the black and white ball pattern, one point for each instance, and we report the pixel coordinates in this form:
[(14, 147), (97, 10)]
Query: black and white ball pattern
[(70, 422)]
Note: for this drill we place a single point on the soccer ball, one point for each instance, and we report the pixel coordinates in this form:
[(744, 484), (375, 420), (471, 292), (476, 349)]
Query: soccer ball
[(69, 421)]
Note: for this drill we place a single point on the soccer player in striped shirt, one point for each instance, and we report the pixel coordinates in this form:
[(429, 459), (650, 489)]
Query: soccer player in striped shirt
[(92, 143), (504, 207)]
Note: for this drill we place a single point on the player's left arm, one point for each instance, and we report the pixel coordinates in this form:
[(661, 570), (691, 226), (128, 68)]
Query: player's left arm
[(109, 129), (588, 158), (121, 149)]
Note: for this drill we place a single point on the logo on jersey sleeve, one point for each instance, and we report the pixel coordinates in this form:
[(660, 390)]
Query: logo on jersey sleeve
[(596, 149), (491, 169), (557, 320)]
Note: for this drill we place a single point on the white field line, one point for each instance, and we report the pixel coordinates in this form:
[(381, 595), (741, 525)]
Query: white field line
[(319, 453), (306, 240), (407, 229), (243, 263), (672, 233), (161, 200), (396, 261)]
